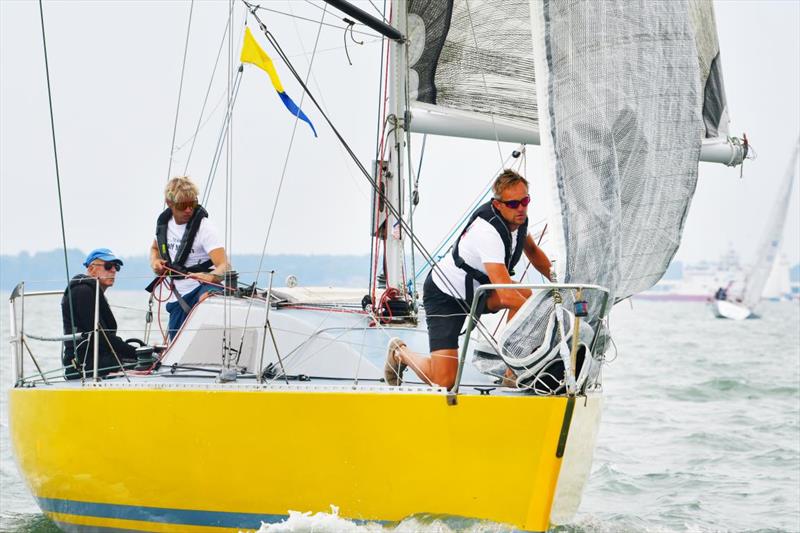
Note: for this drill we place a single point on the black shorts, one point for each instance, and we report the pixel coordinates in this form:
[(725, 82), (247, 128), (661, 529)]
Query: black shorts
[(445, 316)]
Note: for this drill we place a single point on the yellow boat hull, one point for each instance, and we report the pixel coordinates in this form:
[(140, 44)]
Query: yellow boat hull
[(227, 457)]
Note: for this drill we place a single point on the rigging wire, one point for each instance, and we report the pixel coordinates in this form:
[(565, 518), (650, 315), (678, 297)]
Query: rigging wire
[(200, 122), (316, 53), (381, 124), (378, 11), (403, 225), (258, 7), (58, 176), (263, 28), (227, 315), (464, 217), (180, 90), (220, 140), (225, 123), (483, 78), (410, 170)]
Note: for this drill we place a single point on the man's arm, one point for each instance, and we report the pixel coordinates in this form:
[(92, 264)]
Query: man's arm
[(537, 257), (508, 298), (220, 260), (82, 308)]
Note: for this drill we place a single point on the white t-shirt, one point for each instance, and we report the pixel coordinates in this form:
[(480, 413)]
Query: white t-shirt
[(480, 244), (207, 239)]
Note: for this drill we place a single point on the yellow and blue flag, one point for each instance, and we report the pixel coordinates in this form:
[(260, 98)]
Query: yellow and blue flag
[(252, 53)]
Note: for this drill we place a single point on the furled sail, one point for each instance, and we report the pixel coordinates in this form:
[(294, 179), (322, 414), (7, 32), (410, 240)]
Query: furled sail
[(770, 243)]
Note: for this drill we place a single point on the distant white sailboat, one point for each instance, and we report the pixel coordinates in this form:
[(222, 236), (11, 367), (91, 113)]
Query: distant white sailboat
[(744, 305), (779, 283)]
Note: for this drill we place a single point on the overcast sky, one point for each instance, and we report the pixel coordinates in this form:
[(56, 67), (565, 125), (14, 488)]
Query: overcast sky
[(115, 70)]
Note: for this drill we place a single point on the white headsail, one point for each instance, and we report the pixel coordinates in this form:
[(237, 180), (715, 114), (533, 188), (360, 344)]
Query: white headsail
[(624, 104), (771, 239)]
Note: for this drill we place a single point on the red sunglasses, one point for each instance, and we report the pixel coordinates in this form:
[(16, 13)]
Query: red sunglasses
[(513, 204)]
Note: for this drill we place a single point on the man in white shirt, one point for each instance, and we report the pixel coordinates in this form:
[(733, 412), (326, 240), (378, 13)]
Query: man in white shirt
[(188, 243), (486, 252)]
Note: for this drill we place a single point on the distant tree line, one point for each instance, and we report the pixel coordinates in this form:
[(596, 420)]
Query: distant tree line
[(45, 270)]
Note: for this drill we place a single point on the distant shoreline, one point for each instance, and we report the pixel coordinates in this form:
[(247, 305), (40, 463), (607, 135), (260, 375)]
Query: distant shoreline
[(45, 270)]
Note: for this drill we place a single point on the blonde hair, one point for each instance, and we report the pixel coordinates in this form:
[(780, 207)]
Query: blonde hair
[(506, 179), (181, 189)]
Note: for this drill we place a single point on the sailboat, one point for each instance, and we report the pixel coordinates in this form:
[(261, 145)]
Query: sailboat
[(272, 399), (744, 303)]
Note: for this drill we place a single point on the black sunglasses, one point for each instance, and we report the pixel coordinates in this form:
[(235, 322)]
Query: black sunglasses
[(109, 266)]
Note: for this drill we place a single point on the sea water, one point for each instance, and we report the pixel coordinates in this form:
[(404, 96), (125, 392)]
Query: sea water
[(700, 429)]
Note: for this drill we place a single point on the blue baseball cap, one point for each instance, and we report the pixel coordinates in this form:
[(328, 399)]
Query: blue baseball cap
[(102, 253)]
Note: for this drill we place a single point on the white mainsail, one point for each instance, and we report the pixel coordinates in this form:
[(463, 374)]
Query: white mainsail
[(472, 73)]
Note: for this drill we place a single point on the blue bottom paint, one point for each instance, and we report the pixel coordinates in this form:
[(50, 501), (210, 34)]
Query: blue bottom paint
[(160, 515), (163, 515)]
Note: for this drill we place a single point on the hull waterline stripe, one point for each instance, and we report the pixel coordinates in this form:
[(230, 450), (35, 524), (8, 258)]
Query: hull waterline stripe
[(159, 514)]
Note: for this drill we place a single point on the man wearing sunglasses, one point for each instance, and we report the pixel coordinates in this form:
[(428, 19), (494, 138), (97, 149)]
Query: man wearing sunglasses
[(487, 251), (77, 307), (188, 250)]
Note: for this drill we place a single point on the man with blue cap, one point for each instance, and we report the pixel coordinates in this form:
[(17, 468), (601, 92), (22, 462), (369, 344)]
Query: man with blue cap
[(77, 308)]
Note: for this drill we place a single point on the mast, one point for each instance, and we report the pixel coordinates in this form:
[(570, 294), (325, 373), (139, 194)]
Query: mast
[(395, 182), (390, 172)]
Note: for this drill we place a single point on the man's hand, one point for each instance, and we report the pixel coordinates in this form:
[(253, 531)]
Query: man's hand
[(159, 266), (205, 276)]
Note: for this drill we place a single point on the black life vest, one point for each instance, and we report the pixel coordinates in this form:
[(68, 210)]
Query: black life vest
[(490, 215), (187, 241)]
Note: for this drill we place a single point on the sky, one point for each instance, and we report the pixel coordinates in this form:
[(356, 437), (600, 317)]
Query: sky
[(115, 70)]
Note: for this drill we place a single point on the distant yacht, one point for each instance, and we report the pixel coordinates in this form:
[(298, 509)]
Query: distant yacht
[(698, 280), (743, 302), (779, 283)]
